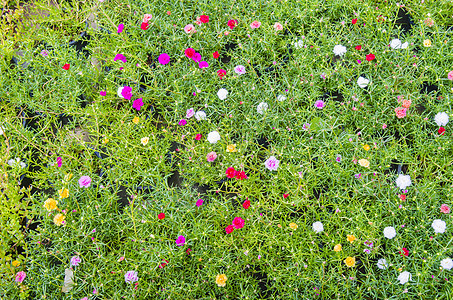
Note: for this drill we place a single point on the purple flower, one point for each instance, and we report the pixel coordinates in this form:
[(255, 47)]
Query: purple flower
[(199, 202), (189, 113), (75, 261), (181, 240), (367, 251), (44, 53), (164, 58), (240, 70), (59, 161), (131, 276), (272, 163), (306, 126), (102, 93), (138, 103), (120, 57), (359, 61), (182, 122), (357, 176), (85, 181), (196, 57), (126, 92), (338, 159), (319, 104), (203, 64), (120, 28)]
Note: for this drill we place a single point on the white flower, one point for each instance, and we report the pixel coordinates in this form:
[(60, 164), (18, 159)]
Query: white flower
[(389, 232), (16, 161), (281, 98), (240, 70), (446, 263), (363, 82), (439, 226), (395, 44), (441, 119), (213, 137), (339, 50), (262, 107), (403, 181), (382, 264), (200, 115), (298, 44), (120, 89), (404, 45), (222, 93), (404, 277), (318, 227)]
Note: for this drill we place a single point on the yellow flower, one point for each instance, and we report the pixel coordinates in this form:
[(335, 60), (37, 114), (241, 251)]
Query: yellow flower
[(105, 141), (221, 280), (364, 163), (144, 140), (68, 177), (427, 43), (231, 148), (351, 238), (64, 193), (366, 147), (15, 263), (59, 219), (50, 204), (337, 248), (136, 120), (350, 261), (293, 226)]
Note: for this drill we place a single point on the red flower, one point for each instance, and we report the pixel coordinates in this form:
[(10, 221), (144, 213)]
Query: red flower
[(215, 55), (232, 23), (189, 52), (354, 21), (161, 216), (241, 175), (285, 196), (163, 264), (144, 26), (370, 57), (441, 131), (238, 223), (246, 204), (188, 251), (204, 19), (221, 73), (230, 172), (403, 197), (229, 229), (406, 252), (66, 66), (358, 48)]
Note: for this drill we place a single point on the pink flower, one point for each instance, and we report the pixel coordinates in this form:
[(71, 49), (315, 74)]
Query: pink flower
[(120, 28), (75, 261), (198, 137), (196, 57), (189, 28), (120, 57), (180, 241), (103, 93), (211, 156), (406, 103), (272, 163), (146, 18), (164, 59), (199, 202), (384, 126), (59, 161), (20, 276), (450, 75), (444, 208), (44, 53), (255, 25), (85, 181), (319, 104), (238, 223), (189, 113), (229, 229), (138, 103), (278, 26), (182, 122), (240, 70), (400, 112), (131, 276), (203, 64)]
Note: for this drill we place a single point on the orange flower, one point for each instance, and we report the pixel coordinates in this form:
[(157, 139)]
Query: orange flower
[(221, 280), (351, 238)]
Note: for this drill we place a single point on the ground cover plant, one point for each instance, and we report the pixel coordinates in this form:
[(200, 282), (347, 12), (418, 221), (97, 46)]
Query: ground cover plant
[(226, 150)]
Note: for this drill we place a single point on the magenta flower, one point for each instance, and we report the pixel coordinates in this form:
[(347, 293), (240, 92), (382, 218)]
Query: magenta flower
[(102, 93), (20, 276), (164, 59), (120, 57), (126, 92), (182, 122), (180, 241), (272, 163), (44, 53), (138, 103), (75, 261), (203, 64), (85, 181), (199, 202), (59, 161), (196, 57), (319, 104), (338, 159), (120, 28), (131, 276)]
